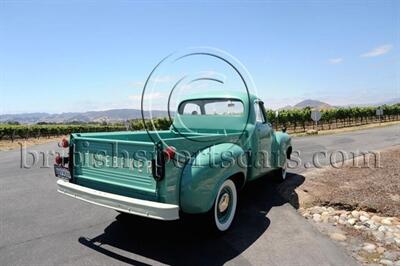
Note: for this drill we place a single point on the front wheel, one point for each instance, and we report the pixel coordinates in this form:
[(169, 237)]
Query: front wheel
[(224, 207)]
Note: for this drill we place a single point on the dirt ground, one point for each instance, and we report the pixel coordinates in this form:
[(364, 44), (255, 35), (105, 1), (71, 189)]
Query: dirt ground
[(6, 145), (374, 189)]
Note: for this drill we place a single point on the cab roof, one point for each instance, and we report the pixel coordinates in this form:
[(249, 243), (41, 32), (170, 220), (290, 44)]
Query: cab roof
[(243, 96)]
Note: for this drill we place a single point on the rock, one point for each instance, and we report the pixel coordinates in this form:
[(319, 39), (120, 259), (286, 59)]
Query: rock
[(386, 262), (369, 247), (355, 214), (363, 218), (330, 209), (338, 237), (382, 228), (365, 214), (315, 210), (379, 235), (392, 255), (359, 227), (376, 219), (388, 235), (397, 263), (317, 217), (331, 220), (341, 221), (386, 221), (389, 240), (370, 224), (325, 216), (306, 214), (380, 250), (351, 221), (397, 241)]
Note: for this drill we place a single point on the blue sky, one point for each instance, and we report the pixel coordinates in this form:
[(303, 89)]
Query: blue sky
[(95, 55)]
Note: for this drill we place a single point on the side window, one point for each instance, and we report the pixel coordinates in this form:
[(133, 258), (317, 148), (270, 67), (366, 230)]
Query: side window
[(260, 118), (191, 109)]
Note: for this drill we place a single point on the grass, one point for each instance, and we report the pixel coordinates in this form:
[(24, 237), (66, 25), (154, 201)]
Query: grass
[(6, 145)]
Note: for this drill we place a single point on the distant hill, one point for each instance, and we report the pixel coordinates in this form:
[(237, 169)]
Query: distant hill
[(113, 115), (118, 115), (309, 103), (387, 102), (322, 105), (375, 104), (393, 101), (312, 104)]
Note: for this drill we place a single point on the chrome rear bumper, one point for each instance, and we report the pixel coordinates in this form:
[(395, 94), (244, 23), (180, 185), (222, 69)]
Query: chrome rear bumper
[(151, 209)]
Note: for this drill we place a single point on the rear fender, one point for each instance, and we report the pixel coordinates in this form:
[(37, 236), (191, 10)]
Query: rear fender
[(280, 146), (206, 171)]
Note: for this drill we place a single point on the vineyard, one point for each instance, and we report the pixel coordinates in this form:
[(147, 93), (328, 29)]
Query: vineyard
[(295, 121), (299, 120), (13, 132)]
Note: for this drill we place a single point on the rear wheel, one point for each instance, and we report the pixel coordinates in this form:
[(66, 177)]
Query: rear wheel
[(224, 207), (279, 175), (282, 173)]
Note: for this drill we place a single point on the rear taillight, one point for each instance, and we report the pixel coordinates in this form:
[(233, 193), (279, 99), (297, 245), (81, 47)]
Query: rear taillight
[(169, 153), (64, 143), (58, 160)]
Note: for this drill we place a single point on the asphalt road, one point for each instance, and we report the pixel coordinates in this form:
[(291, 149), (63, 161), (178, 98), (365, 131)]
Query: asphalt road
[(39, 226)]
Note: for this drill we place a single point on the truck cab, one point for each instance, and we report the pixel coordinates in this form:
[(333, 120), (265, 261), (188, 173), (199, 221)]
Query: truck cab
[(218, 142)]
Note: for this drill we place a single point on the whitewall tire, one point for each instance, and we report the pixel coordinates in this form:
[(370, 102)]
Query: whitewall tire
[(225, 206)]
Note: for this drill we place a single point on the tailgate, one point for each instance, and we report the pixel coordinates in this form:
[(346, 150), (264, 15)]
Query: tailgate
[(115, 166)]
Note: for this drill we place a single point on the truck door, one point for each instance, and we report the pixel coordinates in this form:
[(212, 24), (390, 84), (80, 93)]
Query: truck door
[(263, 141)]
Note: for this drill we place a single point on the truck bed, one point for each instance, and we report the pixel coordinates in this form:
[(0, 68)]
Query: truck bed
[(121, 162)]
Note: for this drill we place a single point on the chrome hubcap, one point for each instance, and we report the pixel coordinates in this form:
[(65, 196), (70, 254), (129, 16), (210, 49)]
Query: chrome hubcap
[(223, 202)]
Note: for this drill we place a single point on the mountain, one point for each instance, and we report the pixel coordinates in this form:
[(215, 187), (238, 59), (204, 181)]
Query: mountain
[(387, 102), (376, 104), (322, 105), (309, 103), (113, 115)]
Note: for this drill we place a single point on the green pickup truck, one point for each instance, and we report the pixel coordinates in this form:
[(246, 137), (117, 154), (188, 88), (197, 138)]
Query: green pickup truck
[(217, 143)]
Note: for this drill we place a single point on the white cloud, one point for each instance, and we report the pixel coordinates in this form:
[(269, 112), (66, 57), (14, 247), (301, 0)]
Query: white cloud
[(381, 50), (148, 96), (156, 80), (335, 60), (163, 79), (136, 84)]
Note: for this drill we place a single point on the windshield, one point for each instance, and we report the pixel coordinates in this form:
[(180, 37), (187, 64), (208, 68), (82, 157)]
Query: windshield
[(223, 107)]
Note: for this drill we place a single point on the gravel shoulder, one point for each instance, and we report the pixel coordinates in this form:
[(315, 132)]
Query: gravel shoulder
[(356, 205), (372, 185)]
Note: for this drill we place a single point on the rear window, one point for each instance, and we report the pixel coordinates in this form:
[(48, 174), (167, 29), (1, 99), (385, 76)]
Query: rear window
[(223, 107)]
